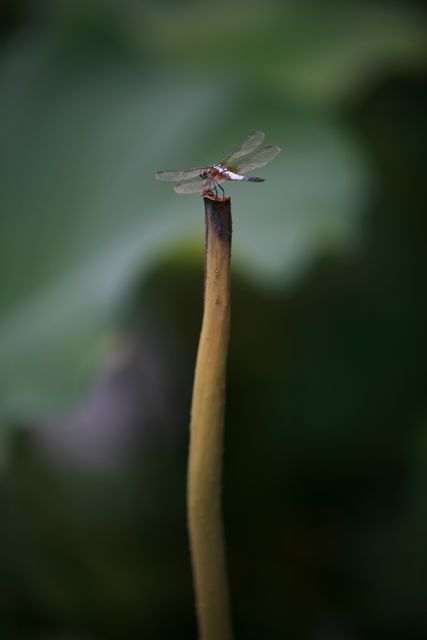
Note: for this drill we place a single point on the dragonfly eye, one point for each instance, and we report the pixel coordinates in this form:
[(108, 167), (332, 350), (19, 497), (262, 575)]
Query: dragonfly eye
[(204, 174)]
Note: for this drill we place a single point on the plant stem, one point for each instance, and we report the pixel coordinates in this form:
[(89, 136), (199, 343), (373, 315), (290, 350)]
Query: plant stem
[(206, 432)]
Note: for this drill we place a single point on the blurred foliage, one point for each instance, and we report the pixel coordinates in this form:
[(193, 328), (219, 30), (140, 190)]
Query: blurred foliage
[(100, 304), (86, 118)]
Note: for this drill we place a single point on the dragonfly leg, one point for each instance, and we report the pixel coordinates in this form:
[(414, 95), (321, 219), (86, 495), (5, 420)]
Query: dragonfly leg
[(223, 192), (212, 187)]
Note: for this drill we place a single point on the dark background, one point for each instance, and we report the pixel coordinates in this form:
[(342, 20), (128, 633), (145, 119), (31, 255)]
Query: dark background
[(325, 481)]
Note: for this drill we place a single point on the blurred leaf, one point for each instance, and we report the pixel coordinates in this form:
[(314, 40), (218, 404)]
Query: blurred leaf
[(319, 53), (82, 134)]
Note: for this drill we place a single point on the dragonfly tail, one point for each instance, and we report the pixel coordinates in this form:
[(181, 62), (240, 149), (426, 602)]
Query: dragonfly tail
[(251, 179)]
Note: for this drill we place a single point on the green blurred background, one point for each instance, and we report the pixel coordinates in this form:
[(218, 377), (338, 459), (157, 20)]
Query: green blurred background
[(100, 308)]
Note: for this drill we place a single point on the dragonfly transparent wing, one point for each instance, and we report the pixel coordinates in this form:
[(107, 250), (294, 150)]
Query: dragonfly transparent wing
[(258, 159), (198, 184), (247, 146), (179, 176), (192, 186)]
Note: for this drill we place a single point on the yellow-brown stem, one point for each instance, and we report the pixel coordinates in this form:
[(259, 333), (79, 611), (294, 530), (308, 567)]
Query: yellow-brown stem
[(206, 432)]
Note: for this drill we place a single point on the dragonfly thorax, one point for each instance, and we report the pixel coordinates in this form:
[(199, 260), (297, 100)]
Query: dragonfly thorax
[(219, 168)]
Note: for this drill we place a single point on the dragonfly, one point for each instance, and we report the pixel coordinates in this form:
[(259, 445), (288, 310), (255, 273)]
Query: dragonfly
[(206, 180)]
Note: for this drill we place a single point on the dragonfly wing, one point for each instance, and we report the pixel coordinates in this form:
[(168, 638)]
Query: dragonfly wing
[(193, 186), (179, 176), (258, 159), (247, 146)]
